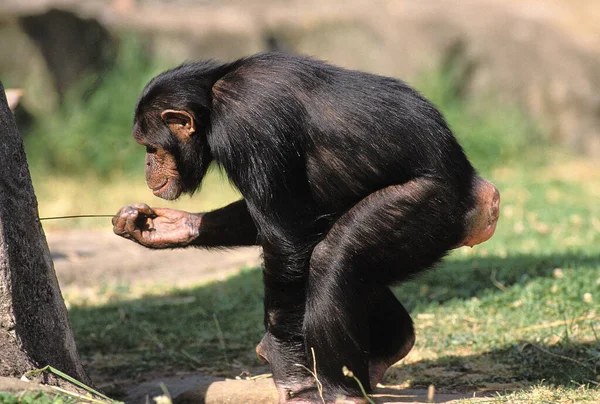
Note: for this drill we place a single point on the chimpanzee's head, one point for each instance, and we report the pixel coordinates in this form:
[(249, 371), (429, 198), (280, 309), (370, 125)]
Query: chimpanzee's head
[(172, 120)]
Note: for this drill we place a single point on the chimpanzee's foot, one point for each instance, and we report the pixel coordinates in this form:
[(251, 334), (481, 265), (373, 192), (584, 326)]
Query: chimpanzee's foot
[(391, 338), (378, 366), (392, 334), (308, 393)]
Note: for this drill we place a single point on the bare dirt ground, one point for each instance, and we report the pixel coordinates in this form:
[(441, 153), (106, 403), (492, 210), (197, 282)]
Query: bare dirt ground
[(85, 260)]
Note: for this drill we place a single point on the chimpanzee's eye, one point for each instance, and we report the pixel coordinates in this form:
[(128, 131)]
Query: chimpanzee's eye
[(150, 149)]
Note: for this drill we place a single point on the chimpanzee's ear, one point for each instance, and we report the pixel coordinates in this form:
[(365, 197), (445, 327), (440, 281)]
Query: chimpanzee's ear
[(181, 123)]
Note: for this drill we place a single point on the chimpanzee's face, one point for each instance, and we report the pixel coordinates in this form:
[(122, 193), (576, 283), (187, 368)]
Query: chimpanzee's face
[(166, 140), (162, 176)]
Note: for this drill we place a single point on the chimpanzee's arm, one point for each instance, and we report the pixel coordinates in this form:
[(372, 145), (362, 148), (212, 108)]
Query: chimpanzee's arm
[(229, 226)]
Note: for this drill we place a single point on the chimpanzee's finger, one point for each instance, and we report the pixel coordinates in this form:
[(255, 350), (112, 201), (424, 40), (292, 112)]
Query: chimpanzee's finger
[(131, 223), (169, 213), (145, 209), (120, 221), (118, 225), (117, 216)]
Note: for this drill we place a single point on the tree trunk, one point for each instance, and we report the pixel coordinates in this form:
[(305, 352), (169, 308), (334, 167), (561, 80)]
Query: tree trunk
[(34, 325)]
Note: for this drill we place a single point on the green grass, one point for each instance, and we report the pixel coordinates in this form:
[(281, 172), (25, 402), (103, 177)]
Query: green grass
[(177, 329), (36, 397), (543, 394)]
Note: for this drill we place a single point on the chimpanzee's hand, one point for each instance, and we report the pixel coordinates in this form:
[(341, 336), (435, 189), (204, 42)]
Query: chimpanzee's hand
[(158, 227)]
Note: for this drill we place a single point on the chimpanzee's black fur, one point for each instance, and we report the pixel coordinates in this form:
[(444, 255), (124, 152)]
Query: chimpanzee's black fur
[(352, 182)]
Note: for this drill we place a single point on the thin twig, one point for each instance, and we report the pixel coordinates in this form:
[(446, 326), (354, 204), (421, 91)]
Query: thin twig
[(496, 283), (195, 360), (348, 373), (319, 385), (165, 391), (592, 381), (559, 356), (73, 217), (68, 378), (314, 374), (78, 396), (221, 338), (261, 376)]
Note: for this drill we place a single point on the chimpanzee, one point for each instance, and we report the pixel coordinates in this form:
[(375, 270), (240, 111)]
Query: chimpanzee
[(351, 182)]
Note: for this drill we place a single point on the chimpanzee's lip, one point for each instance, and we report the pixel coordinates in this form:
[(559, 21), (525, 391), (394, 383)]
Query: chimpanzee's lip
[(159, 188)]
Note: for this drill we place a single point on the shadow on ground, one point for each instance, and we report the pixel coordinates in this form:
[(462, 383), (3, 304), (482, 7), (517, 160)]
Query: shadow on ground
[(466, 277), (500, 371), (130, 346)]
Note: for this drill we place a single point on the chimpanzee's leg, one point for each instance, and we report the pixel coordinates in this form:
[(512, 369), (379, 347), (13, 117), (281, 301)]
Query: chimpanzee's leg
[(391, 332), (386, 237), (284, 276)]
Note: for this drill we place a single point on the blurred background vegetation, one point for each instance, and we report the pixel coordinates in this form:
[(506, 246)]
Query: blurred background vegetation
[(510, 78), (517, 81), (88, 133)]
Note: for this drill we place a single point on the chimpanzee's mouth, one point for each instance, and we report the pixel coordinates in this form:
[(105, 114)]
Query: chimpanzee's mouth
[(160, 188), (170, 190)]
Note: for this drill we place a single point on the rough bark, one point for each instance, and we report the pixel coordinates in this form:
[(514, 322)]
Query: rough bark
[(34, 325)]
